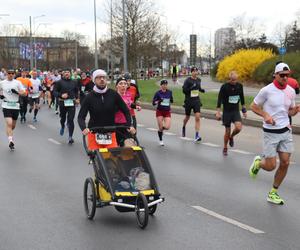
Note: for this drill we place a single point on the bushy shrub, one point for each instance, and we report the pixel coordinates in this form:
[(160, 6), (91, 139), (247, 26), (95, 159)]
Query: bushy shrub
[(264, 72), (244, 62)]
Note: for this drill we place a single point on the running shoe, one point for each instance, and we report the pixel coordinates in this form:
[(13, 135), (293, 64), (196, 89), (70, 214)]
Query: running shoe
[(61, 131), (11, 145), (198, 139), (34, 119), (273, 197), (71, 141), (183, 132), (231, 142), (225, 151), (161, 143), (254, 168), (56, 112)]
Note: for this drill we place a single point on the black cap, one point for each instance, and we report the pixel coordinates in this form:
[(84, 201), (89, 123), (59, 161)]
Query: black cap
[(194, 69), (67, 69), (127, 76), (120, 79), (163, 81)]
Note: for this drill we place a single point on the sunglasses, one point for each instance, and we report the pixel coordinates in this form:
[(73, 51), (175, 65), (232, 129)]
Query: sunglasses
[(283, 75), (10, 73)]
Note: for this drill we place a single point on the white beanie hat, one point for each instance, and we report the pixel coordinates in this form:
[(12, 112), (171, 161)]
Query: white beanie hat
[(98, 72)]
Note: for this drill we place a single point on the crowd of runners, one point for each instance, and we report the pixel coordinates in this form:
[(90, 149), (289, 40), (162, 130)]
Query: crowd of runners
[(67, 89)]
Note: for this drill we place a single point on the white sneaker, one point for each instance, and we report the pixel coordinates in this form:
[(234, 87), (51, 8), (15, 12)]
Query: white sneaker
[(161, 143)]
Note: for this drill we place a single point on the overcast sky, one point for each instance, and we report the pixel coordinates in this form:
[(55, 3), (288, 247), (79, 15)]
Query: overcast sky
[(210, 13)]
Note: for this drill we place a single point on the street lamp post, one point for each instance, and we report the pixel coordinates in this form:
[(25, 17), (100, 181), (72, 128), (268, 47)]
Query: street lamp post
[(96, 45), (124, 40)]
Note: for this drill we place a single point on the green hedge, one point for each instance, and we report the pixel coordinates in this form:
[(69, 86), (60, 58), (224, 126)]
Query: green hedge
[(264, 72)]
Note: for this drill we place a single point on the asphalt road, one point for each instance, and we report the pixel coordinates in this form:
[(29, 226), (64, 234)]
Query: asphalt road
[(211, 203)]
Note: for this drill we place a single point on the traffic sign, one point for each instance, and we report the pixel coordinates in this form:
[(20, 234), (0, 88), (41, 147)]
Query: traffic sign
[(282, 50)]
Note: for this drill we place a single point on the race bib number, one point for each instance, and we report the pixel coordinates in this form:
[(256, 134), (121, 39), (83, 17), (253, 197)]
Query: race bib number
[(11, 104), (234, 99), (36, 95), (68, 103), (82, 88), (103, 139), (195, 93), (165, 102)]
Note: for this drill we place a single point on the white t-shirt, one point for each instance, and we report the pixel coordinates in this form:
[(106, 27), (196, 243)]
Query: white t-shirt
[(276, 102), (11, 100), (36, 83)]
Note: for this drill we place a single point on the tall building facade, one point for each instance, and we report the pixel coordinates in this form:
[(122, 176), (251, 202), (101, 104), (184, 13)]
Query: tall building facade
[(224, 42)]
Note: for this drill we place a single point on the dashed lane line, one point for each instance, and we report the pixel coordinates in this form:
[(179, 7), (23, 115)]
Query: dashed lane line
[(210, 144), (31, 126), (241, 152), (152, 129), (229, 220), (54, 141)]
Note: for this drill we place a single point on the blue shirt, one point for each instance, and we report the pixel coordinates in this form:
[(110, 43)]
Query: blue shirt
[(164, 100)]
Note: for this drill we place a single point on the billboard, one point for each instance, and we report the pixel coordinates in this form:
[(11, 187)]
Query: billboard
[(193, 49)]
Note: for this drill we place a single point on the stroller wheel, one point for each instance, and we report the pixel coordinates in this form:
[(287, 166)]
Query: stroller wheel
[(152, 209), (142, 210), (89, 198)]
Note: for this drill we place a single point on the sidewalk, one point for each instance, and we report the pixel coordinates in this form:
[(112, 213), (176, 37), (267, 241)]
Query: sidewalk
[(252, 119)]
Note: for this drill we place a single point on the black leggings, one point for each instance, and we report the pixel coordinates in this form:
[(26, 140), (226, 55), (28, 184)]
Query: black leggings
[(23, 105), (67, 113)]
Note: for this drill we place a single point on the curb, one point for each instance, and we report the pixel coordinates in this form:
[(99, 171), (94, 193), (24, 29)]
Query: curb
[(210, 114)]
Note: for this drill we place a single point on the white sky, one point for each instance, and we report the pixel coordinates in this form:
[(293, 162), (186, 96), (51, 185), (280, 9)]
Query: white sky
[(210, 13)]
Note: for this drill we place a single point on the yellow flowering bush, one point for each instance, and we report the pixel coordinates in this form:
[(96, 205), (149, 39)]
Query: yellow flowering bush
[(244, 62)]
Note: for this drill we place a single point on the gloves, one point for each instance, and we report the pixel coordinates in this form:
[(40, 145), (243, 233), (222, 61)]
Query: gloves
[(14, 91), (2, 97), (202, 90)]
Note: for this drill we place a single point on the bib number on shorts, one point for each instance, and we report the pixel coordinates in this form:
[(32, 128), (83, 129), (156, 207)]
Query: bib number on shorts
[(234, 99), (103, 139), (36, 95), (165, 102), (194, 93), (69, 103)]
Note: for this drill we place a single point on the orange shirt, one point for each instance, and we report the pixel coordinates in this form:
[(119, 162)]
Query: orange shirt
[(132, 90), (26, 83)]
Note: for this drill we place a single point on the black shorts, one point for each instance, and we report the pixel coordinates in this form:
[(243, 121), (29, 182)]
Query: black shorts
[(33, 101), (122, 134), (189, 106), (231, 117), (11, 113)]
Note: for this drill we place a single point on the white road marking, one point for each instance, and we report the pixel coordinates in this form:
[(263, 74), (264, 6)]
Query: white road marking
[(31, 126), (210, 144), (141, 125), (186, 138), (241, 151), (169, 133), (54, 141), (228, 220), (152, 129)]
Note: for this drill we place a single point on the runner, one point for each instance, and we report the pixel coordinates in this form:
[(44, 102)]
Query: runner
[(274, 103), (34, 95), (124, 137), (67, 92), (10, 89), (101, 104), (191, 88), (133, 89), (24, 98), (174, 72), (86, 85), (230, 95), (163, 98)]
